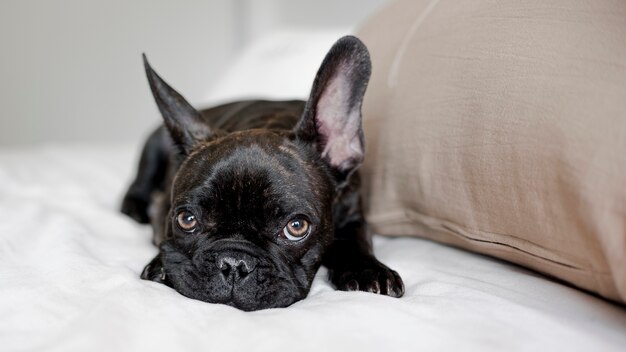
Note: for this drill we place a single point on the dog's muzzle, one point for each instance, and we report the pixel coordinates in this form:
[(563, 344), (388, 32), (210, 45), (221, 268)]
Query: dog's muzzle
[(235, 267)]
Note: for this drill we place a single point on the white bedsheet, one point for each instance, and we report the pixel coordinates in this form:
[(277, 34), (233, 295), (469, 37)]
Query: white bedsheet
[(70, 265)]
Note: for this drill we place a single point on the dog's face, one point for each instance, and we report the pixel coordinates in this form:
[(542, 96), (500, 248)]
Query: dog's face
[(251, 212), (250, 219)]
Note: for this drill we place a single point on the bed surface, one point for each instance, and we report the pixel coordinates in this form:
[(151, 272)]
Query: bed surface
[(70, 265)]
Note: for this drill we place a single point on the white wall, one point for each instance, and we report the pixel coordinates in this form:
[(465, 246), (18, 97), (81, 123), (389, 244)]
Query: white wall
[(70, 70), (261, 16)]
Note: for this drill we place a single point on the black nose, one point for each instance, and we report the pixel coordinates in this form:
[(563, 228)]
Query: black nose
[(235, 267)]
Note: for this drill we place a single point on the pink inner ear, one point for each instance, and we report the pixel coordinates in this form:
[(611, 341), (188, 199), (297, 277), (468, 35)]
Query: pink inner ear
[(339, 124)]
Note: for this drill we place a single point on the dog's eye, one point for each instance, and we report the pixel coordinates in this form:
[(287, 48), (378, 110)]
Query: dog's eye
[(296, 229), (186, 221)]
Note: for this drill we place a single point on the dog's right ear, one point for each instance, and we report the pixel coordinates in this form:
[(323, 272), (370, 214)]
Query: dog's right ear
[(183, 122), (332, 115)]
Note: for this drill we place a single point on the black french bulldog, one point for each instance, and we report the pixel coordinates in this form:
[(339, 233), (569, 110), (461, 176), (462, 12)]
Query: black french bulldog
[(248, 199)]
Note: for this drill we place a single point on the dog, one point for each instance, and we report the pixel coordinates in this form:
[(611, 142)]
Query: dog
[(248, 199)]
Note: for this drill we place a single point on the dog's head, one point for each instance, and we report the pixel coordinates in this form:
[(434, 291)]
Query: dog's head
[(252, 211)]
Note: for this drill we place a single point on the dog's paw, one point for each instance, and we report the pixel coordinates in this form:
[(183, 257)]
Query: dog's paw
[(154, 271), (370, 276), (136, 208)]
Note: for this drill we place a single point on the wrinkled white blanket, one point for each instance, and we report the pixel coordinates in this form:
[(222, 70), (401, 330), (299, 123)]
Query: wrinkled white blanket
[(70, 264)]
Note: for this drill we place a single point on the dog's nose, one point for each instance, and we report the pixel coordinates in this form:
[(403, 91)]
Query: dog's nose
[(235, 268)]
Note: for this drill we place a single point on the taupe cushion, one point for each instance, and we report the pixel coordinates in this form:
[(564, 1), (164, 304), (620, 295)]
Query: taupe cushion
[(500, 127)]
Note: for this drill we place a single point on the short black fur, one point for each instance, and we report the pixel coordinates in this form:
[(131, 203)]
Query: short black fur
[(240, 173)]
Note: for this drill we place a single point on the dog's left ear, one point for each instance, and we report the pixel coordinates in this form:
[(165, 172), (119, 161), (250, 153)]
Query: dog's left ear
[(332, 115), (183, 122)]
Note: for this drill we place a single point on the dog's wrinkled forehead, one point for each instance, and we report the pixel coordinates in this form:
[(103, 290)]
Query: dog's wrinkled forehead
[(251, 173)]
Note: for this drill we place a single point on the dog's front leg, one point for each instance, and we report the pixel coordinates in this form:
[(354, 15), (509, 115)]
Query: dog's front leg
[(351, 263), (154, 271)]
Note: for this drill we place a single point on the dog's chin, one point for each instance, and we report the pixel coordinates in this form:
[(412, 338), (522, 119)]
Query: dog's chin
[(277, 293), (247, 302), (264, 288)]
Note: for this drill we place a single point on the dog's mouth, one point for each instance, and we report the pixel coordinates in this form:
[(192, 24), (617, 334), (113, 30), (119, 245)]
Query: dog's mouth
[(231, 276)]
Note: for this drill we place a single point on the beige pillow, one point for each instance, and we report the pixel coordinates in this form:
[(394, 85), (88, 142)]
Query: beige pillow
[(500, 127)]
